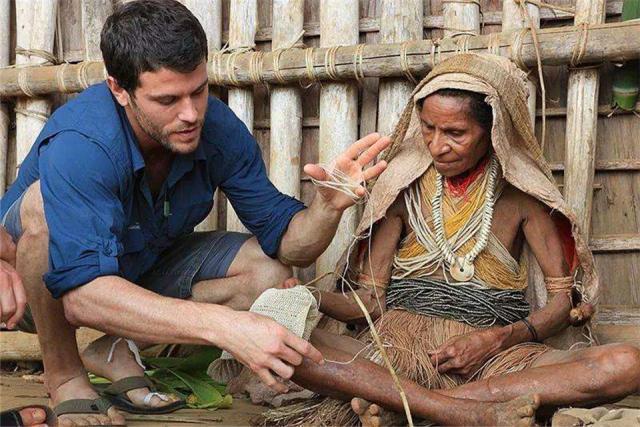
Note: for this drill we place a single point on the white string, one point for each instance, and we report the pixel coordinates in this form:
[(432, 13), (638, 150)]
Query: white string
[(132, 347), (151, 395)]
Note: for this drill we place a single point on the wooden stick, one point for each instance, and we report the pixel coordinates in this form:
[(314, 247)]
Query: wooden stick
[(460, 18), (5, 14), (371, 25), (400, 21), (582, 122), (616, 42), (209, 13), (94, 14), (286, 102), (514, 20), (615, 243), (35, 30), (338, 118), (243, 22)]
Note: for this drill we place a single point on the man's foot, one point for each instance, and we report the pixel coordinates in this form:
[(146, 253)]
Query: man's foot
[(122, 365), (79, 388), (372, 415), (520, 412)]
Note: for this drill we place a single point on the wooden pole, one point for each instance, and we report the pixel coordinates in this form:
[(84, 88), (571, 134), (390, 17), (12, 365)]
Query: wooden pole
[(460, 18), (209, 13), (286, 104), (5, 14), (338, 117), (36, 24), (514, 19), (243, 23), (614, 42), (400, 21), (94, 14), (582, 122)]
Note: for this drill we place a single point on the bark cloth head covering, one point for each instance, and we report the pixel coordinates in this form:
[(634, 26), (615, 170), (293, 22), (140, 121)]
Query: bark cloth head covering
[(514, 143)]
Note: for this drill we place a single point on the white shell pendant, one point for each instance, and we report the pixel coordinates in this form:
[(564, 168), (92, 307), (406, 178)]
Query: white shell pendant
[(462, 270)]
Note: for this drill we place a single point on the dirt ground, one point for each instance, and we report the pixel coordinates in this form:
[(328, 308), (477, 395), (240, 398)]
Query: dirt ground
[(17, 391)]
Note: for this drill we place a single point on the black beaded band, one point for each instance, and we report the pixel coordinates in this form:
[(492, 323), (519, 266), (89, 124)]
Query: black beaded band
[(532, 330)]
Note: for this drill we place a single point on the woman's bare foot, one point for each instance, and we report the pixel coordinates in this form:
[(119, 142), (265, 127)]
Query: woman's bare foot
[(520, 412), (372, 415), (121, 366), (79, 388)]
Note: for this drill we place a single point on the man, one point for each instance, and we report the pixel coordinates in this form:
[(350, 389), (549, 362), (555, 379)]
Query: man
[(102, 213), (466, 189)]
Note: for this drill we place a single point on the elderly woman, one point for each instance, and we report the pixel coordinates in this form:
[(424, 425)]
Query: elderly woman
[(465, 189)]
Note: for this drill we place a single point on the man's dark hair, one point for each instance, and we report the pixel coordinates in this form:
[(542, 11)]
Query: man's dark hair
[(147, 35), (478, 108)]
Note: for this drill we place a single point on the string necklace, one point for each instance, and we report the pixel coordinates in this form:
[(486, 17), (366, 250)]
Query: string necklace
[(461, 268)]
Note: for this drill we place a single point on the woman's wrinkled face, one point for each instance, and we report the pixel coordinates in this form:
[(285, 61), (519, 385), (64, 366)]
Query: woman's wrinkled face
[(456, 141)]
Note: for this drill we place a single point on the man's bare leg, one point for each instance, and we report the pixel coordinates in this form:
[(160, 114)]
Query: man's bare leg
[(369, 381), (64, 374), (250, 274), (585, 377)]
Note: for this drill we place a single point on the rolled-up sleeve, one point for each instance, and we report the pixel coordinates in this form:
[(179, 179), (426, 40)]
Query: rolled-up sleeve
[(264, 210), (84, 214)]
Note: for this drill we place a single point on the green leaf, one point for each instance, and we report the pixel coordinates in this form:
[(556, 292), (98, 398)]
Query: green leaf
[(206, 393), (200, 360)]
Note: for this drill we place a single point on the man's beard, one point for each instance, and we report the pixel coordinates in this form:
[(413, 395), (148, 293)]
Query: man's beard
[(154, 131)]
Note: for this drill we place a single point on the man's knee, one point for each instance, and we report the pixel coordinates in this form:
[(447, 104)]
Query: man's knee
[(33, 222), (269, 273)]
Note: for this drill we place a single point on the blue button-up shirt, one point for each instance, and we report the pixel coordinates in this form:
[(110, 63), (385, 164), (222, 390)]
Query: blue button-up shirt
[(101, 216)]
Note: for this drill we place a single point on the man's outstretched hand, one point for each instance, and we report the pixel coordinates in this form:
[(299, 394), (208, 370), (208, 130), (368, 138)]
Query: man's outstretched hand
[(267, 348), (353, 163)]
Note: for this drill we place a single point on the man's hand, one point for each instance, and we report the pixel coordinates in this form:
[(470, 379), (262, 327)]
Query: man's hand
[(353, 163), (13, 299), (7, 247), (267, 348), (465, 354)]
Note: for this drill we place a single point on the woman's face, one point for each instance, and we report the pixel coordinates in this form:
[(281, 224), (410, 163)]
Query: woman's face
[(454, 138)]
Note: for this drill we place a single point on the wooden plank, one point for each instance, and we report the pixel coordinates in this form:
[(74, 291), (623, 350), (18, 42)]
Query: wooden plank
[(286, 104), (15, 345), (606, 165), (210, 16), (618, 315), (582, 124), (94, 14), (400, 21), (338, 120), (372, 25), (603, 110), (615, 243), (36, 23), (515, 19), (243, 21)]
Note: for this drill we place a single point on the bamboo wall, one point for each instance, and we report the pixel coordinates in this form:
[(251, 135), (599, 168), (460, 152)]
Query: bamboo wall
[(615, 217)]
